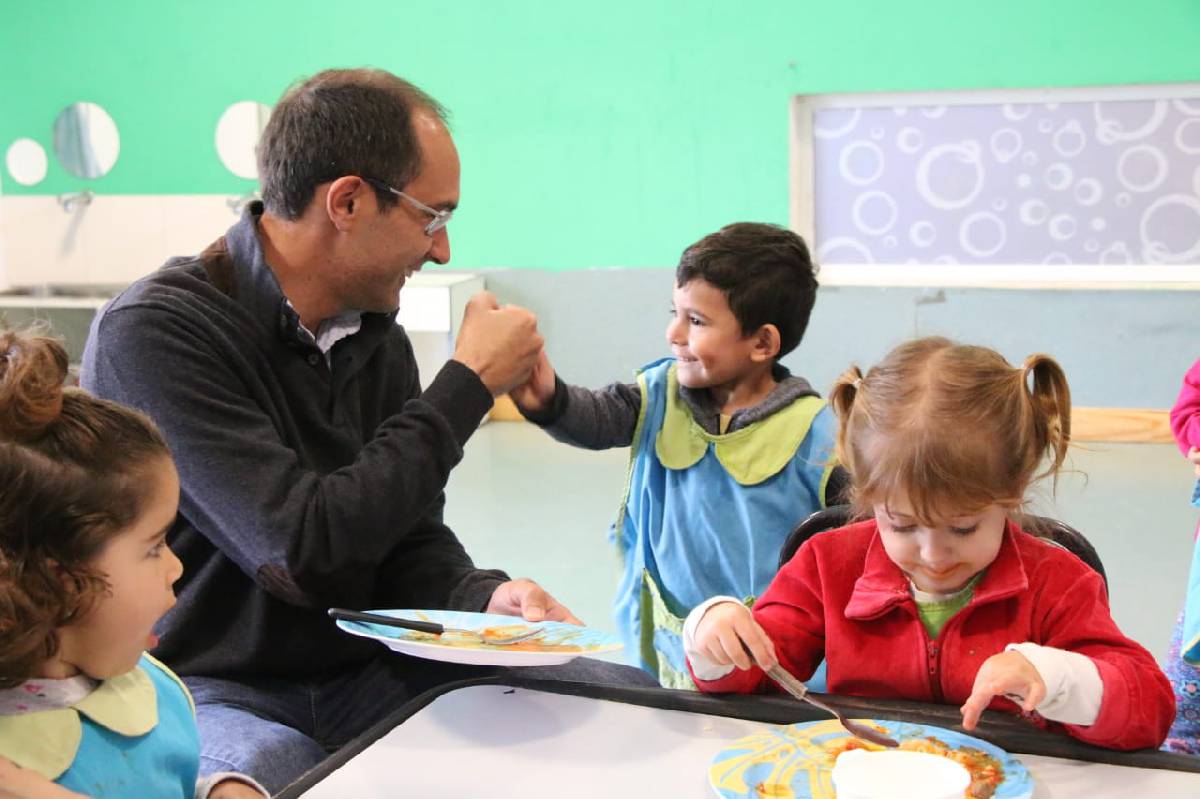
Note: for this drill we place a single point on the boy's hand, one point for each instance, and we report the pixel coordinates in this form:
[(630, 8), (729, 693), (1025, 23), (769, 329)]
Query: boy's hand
[(1194, 456), (1007, 674), (538, 391), (728, 635), (21, 783)]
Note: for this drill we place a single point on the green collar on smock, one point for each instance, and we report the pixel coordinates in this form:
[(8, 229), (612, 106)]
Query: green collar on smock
[(48, 740), (750, 454)]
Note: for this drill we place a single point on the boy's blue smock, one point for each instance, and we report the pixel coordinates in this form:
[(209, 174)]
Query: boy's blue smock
[(708, 514)]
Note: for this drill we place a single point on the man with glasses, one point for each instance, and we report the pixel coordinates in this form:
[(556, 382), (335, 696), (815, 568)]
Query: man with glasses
[(312, 464)]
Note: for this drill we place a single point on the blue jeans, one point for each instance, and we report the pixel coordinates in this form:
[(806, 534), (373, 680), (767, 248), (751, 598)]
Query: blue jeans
[(275, 729)]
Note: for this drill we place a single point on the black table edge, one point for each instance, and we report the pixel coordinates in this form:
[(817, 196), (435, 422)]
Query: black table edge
[(1007, 731)]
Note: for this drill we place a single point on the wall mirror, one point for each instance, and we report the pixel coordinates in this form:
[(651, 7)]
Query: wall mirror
[(26, 161), (237, 135), (86, 141)]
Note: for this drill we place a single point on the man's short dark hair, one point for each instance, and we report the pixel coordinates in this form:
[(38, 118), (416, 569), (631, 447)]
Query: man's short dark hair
[(340, 122), (765, 273)]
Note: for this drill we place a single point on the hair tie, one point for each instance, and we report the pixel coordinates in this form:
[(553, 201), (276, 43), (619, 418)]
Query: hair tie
[(857, 383)]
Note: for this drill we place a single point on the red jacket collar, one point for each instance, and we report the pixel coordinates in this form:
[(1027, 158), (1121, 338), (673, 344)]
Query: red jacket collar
[(883, 586)]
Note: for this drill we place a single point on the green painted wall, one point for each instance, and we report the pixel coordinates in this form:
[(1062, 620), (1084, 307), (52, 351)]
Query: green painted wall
[(591, 134)]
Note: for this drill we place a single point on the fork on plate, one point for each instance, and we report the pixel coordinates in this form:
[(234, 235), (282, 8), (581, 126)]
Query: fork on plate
[(482, 636), (799, 690)]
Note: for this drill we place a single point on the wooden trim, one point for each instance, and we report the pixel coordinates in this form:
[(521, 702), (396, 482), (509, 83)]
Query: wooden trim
[(1142, 425), (1129, 425)]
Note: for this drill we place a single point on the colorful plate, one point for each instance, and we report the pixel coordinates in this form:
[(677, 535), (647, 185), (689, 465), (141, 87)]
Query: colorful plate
[(558, 643), (793, 761)]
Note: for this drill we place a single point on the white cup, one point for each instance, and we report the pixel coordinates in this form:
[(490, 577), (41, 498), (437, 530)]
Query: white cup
[(893, 774)]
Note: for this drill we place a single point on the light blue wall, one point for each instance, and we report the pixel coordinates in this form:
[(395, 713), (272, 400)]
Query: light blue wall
[(1119, 348)]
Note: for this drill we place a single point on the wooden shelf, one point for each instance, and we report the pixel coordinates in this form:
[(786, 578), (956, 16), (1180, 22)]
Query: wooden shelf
[(1140, 425), (505, 410)]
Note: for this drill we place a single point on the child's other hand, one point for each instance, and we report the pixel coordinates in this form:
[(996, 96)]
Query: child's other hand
[(536, 392), (1006, 674), (21, 783), (1194, 456), (234, 789), (728, 635)]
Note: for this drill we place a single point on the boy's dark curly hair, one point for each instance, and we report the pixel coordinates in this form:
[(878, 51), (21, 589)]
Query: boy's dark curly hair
[(765, 272)]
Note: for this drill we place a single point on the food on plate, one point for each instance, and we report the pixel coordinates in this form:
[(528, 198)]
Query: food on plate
[(556, 642), (986, 772)]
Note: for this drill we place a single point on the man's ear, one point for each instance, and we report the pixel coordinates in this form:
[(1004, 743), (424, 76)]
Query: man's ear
[(766, 343), (344, 200)]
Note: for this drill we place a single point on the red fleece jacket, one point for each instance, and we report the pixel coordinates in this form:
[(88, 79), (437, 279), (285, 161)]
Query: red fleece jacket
[(843, 599)]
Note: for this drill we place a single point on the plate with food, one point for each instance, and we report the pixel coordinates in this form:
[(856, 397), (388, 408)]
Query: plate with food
[(797, 761), (468, 637)]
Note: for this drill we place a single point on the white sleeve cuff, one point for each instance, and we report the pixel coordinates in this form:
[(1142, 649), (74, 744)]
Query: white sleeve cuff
[(1074, 689), (204, 785), (702, 667)]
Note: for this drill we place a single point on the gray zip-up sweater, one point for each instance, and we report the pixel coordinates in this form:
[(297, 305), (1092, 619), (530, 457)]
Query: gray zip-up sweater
[(305, 485)]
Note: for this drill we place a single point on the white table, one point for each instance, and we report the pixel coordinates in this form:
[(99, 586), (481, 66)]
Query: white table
[(497, 741)]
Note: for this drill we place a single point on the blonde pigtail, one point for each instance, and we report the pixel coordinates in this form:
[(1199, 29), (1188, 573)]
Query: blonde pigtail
[(1050, 399), (842, 399), (845, 391)]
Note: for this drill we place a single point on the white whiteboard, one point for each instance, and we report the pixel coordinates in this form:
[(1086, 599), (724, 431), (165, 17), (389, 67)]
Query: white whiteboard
[(1042, 187)]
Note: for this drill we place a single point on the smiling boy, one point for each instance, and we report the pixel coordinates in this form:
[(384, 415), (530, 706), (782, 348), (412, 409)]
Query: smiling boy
[(729, 449)]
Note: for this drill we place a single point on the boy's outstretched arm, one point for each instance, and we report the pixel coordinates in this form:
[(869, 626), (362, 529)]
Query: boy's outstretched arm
[(581, 417)]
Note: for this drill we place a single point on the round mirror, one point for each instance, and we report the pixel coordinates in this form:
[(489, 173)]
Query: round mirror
[(86, 141), (238, 130), (26, 160)]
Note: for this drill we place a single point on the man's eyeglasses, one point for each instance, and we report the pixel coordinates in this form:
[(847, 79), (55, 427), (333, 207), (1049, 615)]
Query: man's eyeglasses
[(440, 218)]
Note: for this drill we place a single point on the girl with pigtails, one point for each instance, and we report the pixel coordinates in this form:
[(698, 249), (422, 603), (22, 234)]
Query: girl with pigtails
[(88, 494), (938, 595)]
